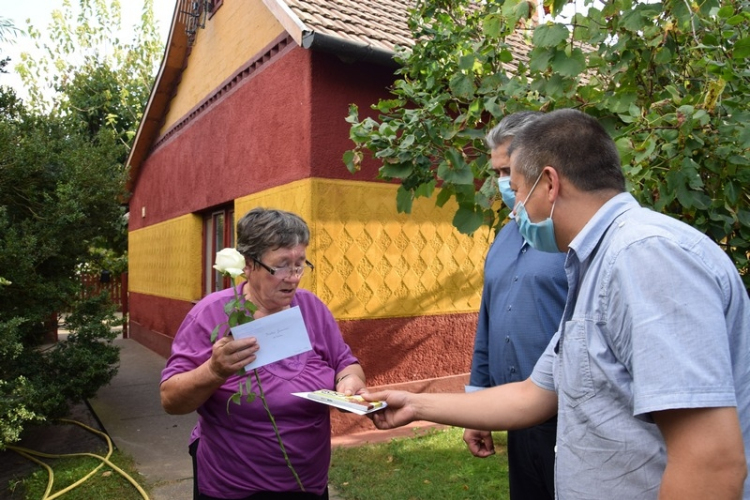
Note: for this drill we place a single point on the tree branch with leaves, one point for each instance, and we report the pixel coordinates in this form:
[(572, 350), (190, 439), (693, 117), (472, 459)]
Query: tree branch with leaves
[(669, 80)]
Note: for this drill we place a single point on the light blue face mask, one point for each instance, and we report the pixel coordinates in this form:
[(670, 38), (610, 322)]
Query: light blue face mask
[(540, 235), (509, 197)]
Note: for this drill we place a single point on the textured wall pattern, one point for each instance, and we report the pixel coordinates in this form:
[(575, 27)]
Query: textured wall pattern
[(165, 259), (236, 32), (371, 262)]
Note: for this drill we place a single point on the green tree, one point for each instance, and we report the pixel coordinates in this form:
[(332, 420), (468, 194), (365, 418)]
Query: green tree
[(62, 178), (59, 191), (8, 32), (87, 73), (670, 81)]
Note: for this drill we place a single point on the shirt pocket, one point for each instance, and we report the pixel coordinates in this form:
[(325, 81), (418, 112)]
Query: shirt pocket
[(574, 365)]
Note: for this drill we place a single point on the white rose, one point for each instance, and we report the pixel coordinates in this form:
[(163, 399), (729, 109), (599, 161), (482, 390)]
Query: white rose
[(230, 261)]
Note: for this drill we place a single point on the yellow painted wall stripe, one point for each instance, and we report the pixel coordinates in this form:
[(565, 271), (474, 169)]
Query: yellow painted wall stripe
[(165, 259), (374, 263), (370, 262)]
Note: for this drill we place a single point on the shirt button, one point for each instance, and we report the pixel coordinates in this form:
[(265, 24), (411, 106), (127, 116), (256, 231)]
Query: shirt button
[(507, 339), (512, 369), (510, 307), (515, 279)]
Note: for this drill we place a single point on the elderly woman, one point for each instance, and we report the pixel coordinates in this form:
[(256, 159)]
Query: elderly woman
[(236, 454)]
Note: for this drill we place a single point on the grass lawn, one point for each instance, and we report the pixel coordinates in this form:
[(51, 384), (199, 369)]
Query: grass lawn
[(436, 465), (104, 484), (431, 465)]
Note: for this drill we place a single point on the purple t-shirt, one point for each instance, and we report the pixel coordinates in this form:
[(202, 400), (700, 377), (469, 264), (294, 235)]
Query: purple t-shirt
[(238, 452)]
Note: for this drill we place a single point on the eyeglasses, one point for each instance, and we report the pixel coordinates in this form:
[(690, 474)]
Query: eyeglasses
[(286, 271)]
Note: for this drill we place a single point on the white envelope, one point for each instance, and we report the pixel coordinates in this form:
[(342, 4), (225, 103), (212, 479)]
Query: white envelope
[(280, 335)]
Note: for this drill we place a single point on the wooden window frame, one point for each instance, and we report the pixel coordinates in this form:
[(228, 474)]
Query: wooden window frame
[(213, 242)]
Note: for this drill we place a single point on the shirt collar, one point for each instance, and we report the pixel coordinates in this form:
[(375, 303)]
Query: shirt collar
[(588, 238)]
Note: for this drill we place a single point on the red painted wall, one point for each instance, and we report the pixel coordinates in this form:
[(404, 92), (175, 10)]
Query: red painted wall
[(244, 144), (238, 146), (392, 351), (336, 85)]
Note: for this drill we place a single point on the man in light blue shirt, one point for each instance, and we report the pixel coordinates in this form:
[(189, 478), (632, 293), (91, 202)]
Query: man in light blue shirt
[(650, 369), (522, 302)]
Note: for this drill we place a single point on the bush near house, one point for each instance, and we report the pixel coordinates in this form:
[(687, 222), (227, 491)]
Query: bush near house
[(59, 195)]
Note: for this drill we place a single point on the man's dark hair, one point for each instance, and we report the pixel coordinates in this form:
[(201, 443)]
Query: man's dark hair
[(573, 143)]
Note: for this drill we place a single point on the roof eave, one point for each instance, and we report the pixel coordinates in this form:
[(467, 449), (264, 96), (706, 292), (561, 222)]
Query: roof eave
[(307, 38), (349, 50), (172, 64)]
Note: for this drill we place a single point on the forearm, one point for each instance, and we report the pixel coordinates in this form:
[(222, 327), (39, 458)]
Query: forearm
[(506, 407), (185, 392)]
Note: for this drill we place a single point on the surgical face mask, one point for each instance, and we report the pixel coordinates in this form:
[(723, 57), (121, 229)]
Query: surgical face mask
[(540, 235), (509, 197)]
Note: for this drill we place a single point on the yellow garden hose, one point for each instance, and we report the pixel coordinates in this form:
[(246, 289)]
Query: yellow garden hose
[(29, 454)]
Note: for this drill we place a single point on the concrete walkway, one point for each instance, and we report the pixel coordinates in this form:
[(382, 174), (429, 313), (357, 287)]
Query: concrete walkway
[(129, 409)]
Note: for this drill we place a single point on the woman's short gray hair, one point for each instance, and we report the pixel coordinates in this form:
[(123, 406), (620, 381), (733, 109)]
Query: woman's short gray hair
[(263, 229)]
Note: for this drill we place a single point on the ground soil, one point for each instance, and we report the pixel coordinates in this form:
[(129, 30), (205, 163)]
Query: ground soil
[(56, 439)]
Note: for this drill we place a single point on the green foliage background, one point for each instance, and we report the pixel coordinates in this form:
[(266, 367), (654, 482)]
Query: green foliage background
[(62, 192), (669, 80)]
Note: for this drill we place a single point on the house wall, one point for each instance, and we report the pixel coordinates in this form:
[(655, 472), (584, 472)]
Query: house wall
[(404, 288), (234, 35)]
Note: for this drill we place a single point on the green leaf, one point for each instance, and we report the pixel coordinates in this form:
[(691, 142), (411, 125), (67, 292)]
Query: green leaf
[(741, 48), (569, 65), (386, 105), (466, 62), (550, 35), (492, 26), (744, 217), (404, 200), (736, 20), (491, 105), (215, 333), (462, 86), (426, 189), (725, 12), (539, 59), (353, 160), (455, 171), (467, 220), (731, 192), (396, 170), (443, 196), (514, 11)]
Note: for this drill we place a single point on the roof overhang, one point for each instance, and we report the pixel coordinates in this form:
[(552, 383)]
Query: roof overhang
[(175, 57)]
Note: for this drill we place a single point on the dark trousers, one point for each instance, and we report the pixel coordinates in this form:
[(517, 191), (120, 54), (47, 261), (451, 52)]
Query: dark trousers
[(531, 462), (261, 495)]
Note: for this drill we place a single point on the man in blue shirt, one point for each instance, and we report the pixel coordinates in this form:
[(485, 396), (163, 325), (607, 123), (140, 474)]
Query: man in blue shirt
[(649, 372), (522, 302)]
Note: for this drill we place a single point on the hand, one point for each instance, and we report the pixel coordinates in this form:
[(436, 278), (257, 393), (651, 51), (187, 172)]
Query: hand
[(400, 410), (229, 355), (480, 443), (351, 384)]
